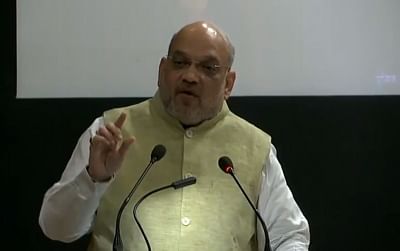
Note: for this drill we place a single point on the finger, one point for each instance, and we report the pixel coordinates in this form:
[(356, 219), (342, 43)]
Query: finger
[(120, 120), (99, 142), (115, 131), (106, 134), (125, 146)]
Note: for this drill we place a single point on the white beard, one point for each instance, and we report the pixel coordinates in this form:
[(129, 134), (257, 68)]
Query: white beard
[(190, 115)]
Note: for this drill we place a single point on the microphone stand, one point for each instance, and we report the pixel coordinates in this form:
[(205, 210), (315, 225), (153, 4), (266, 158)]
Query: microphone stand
[(157, 153), (266, 246), (226, 165), (176, 185)]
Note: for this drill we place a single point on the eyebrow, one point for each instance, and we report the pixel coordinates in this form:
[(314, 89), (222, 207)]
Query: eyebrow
[(207, 58)]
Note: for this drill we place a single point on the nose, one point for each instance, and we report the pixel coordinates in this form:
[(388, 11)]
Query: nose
[(191, 75)]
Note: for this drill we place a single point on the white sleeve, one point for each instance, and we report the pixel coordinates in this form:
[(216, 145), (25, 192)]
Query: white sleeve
[(287, 227), (69, 206)]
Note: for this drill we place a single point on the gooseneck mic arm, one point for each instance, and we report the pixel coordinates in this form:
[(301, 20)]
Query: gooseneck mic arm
[(157, 153), (177, 184), (226, 165)]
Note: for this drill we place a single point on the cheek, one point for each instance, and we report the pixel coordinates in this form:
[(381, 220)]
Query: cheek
[(214, 94), (171, 80), (166, 83)]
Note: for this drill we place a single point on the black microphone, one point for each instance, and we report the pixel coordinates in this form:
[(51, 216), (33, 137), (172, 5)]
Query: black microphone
[(176, 185), (226, 165), (157, 153)]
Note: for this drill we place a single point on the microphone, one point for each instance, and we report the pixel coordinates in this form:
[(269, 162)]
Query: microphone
[(156, 154), (226, 165), (176, 185)]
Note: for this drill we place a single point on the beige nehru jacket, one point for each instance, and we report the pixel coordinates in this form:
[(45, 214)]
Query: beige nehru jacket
[(211, 215)]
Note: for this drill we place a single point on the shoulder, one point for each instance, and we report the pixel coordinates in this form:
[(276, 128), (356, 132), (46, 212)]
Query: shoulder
[(135, 110), (245, 126)]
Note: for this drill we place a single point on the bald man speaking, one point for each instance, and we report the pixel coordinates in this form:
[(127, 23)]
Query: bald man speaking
[(188, 115)]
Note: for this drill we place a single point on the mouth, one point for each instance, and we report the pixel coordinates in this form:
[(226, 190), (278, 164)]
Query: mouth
[(187, 93), (187, 97)]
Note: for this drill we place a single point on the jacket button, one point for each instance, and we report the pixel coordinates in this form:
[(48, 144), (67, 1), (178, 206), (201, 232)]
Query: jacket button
[(185, 221)]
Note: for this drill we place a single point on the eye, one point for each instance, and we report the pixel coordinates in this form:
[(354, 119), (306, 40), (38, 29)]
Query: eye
[(180, 63), (210, 68)]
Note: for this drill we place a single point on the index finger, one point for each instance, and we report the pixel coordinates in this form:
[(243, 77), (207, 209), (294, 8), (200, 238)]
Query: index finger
[(120, 120)]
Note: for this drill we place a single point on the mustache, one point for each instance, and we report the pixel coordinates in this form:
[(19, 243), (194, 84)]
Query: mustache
[(188, 91)]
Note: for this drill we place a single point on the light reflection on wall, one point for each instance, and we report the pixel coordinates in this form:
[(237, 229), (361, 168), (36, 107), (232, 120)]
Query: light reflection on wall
[(384, 78)]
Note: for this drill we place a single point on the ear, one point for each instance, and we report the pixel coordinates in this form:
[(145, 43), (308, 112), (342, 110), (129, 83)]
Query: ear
[(161, 67), (229, 83)]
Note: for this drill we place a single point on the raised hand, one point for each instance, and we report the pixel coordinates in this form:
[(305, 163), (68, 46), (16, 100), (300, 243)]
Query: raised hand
[(107, 150)]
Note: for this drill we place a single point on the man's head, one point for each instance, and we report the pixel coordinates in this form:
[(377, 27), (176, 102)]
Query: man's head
[(195, 78)]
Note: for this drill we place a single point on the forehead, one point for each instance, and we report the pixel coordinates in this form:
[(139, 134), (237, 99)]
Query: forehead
[(200, 43)]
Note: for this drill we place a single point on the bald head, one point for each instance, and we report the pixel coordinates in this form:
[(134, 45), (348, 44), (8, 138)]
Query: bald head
[(209, 30)]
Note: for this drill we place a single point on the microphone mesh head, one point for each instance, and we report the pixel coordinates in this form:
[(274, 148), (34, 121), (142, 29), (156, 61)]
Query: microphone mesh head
[(158, 152), (226, 165)]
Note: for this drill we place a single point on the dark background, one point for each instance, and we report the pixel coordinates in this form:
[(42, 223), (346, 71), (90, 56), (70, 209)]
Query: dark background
[(339, 155)]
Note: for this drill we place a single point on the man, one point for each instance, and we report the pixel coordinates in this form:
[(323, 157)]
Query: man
[(189, 115)]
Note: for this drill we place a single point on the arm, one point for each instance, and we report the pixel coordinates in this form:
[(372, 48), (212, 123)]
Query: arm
[(70, 204), (288, 228)]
